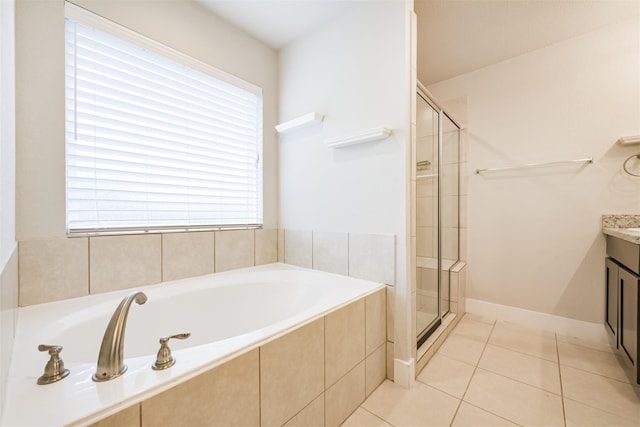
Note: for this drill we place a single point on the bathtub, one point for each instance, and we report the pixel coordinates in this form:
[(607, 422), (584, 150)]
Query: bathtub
[(227, 314)]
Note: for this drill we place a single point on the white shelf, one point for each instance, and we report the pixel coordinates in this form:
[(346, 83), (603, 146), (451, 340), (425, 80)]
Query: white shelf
[(629, 140), (360, 137), (300, 122)]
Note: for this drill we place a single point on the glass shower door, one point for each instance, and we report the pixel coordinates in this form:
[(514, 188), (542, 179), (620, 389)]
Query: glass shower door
[(437, 214), (427, 230)]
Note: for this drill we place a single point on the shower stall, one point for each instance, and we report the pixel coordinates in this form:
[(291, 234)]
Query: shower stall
[(437, 218)]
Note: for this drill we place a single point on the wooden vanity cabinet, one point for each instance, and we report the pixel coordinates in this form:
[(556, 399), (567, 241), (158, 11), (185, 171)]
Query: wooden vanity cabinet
[(611, 304), (628, 328), (623, 301)]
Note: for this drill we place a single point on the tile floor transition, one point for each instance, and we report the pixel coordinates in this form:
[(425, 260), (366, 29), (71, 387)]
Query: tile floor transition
[(496, 373)]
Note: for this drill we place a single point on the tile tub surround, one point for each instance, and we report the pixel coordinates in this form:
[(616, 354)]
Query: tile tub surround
[(288, 381), (53, 270), (328, 298)]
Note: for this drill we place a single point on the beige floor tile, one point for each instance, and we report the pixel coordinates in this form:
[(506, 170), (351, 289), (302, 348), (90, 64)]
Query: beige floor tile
[(363, 418), (471, 416), (521, 367), (594, 361), (604, 393), (462, 348), (479, 318), (473, 329), (447, 374), (420, 405), (513, 400), (602, 345), (530, 341), (581, 415)]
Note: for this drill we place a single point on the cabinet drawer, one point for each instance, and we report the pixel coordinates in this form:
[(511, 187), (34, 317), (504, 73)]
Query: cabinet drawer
[(626, 253)]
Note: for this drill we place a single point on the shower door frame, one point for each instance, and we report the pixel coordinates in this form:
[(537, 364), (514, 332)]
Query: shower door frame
[(423, 336)]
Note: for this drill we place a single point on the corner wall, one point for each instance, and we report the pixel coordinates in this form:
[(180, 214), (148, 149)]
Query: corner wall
[(355, 71), (535, 238), (8, 248)]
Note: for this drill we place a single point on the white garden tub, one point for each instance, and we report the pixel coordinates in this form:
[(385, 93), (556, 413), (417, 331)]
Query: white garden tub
[(227, 314)]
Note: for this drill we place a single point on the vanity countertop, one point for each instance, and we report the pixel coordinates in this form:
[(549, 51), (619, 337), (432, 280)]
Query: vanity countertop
[(625, 227), (629, 234)]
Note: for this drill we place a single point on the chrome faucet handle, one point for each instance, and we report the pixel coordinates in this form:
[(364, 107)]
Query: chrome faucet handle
[(54, 370), (164, 359)]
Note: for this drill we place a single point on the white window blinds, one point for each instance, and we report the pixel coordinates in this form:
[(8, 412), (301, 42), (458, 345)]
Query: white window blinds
[(152, 143)]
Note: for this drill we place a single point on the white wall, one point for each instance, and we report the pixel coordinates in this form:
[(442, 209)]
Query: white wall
[(535, 237), (355, 71), (8, 253), (182, 25)]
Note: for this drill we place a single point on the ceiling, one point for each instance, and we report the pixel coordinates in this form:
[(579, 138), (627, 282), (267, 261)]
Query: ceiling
[(454, 36)]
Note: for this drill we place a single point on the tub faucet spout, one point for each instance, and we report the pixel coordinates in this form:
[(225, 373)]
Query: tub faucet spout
[(110, 358)]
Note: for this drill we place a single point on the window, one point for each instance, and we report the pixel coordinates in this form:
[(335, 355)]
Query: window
[(155, 139)]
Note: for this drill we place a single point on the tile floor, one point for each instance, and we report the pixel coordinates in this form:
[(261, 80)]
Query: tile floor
[(496, 373)]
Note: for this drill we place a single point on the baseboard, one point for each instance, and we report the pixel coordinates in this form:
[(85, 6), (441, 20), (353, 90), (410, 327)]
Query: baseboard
[(404, 373), (558, 324)]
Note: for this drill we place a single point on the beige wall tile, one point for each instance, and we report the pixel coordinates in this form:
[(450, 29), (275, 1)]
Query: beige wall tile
[(234, 249), (121, 262), (331, 252), (266, 246), (311, 416), (375, 316), (298, 248), (280, 245), (187, 254), (291, 373), (372, 257), (227, 395), (344, 346), (376, 368), (129, 417), (391, 292), (345, 396), (52, 270), (390, 357)]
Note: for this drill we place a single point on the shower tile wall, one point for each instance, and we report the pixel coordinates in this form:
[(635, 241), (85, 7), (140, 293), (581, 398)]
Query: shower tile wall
[(364, 256)]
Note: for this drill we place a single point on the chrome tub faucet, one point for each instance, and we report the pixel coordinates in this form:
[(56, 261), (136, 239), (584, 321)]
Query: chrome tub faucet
[(110, 358)]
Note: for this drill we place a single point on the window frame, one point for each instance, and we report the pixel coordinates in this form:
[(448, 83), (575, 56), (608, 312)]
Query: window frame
[(85, 17)]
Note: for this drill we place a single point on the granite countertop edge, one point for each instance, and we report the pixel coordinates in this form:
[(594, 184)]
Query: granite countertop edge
[(624, 234)]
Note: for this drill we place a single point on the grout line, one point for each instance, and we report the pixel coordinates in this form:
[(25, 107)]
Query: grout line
[(489, 412), (378, 417), (564, 412), (88, 265), (475, 369), (259, 385)]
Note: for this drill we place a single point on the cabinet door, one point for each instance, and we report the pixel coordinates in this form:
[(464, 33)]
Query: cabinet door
[(611, 308), (628, 331)]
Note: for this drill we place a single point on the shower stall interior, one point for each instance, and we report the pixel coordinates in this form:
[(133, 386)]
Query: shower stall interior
[(437, 216)]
